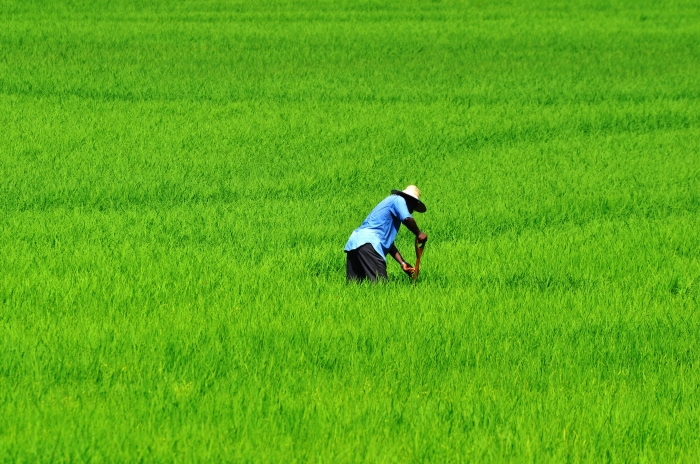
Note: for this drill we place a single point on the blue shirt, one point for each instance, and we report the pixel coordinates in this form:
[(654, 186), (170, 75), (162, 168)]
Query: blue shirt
[(381, 226)]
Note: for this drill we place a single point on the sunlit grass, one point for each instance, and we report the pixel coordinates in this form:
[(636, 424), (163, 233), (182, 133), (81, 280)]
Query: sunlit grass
[(177, 182)]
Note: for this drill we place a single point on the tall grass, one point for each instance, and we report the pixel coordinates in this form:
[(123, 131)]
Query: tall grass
[(178, 179)]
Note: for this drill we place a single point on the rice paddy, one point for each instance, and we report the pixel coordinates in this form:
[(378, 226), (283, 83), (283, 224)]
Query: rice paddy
[(178, 180)]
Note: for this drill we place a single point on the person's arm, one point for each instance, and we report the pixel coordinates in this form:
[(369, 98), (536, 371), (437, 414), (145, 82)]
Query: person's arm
[(394, 252), (411, 225)]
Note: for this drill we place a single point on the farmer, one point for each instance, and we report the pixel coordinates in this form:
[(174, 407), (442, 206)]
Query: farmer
[(368, 245)]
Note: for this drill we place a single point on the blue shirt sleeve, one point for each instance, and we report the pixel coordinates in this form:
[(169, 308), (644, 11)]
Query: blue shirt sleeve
[(399, 208)]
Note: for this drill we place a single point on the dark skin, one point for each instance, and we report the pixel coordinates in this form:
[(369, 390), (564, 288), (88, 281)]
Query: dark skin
[(411, 225)]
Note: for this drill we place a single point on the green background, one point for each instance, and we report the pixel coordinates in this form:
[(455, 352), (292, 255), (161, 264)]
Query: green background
[(178, 179)]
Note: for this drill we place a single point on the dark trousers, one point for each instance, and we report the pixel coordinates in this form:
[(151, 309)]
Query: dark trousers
[(365, 263)]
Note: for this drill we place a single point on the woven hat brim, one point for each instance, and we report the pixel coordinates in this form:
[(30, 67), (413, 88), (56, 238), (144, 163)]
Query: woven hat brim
[(420, 207)]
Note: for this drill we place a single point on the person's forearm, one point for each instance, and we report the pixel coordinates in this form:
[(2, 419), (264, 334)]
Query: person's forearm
[(411, 225), (393, 251)]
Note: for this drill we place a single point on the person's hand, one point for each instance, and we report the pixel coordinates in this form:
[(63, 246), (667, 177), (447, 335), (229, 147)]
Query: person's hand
[(422, 238), (408, 269)]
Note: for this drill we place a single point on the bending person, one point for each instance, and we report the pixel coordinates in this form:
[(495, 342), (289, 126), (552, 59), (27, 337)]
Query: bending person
[(369, 244)]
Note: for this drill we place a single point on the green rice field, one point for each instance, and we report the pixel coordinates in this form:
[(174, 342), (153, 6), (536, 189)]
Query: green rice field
[(178, 180)]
